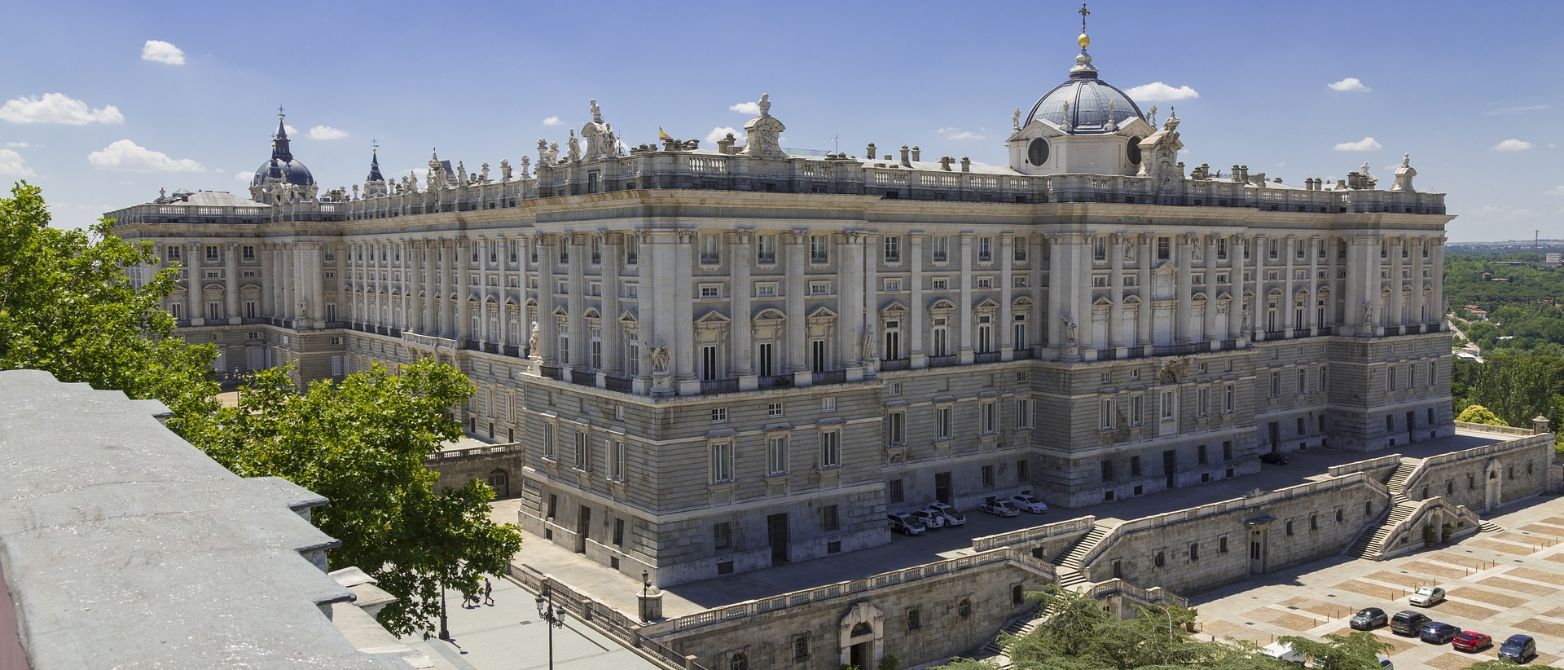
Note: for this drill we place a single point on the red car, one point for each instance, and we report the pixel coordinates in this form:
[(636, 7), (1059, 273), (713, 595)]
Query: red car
[(1471, 641)]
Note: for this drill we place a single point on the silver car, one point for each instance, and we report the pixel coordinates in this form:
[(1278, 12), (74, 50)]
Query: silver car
[(933, 520), (905, 524), (952, 518)]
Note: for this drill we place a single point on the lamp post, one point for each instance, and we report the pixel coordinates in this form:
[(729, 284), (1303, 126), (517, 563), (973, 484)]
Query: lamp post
[(552, 618)]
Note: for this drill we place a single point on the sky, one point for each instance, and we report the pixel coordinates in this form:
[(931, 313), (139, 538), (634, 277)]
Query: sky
[(102, 104)]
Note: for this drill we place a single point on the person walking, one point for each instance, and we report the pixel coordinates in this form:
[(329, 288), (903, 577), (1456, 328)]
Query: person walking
[(488, 592)]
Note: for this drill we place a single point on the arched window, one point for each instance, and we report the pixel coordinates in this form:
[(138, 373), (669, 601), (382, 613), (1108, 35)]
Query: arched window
[(740, 661), (1159, 559), (964, 608), (863, 627), (499, 480)]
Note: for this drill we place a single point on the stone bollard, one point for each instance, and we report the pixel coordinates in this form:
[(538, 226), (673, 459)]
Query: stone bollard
[(1539, 425)]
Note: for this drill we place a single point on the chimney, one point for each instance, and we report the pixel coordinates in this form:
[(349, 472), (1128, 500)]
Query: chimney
[(905, 161), (944, 163), (869, 152), (966, 164), (1235, 175), (916, 154)]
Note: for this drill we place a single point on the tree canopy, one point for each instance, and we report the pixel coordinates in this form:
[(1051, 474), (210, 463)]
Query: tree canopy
[(1475, 413)]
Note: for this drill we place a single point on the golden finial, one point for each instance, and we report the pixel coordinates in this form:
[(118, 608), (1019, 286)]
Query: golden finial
[(1084, 39)]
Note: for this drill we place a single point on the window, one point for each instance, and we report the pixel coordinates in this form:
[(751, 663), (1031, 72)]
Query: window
[(985, 249), (1107, 470), (830, 449), (1221, 545), (988, 411), (939, 249), (1136, 411), (819, 288), (818, 249), (895, 423), (1018, 251), (1276, 384), (619, 532), (616, 461), (1024, 413), (964, 608), (709, 291), (1099, 248), (892, 249), (1200, 453), (988, 476), (1221, 248), (583, 451), (1021, 470), (248, 253), (548, 441), (1194, 551), (632, 250), (1289, 529), (1202, 401), (709, 252), (1314, 522), (1134, 466), (891, 284), (721, 462), (722, 535), (776, 455), (211, 253), (1227, 450), (173, 253), (800, 647), (1164, 248), (829, 521), (1105, 413), (774, 409), (719, 415), (1168, 403), (1303, 380), (1390, 378), (942, 423), (765, 289), (1159, 560), (939, 284), (894, 491), (828, 404), (914, 619), (766, 249)]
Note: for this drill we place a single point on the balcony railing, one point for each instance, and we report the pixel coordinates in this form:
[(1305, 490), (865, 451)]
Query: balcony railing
[(1107, 354), (619, 384), (776, 381), (583, 378), (1391, 331), (710, 386), (1300, 332), (895, 364), (552, 372), (1175, 349), (1326, 330), (831, 377), (986, 357), (941, 361), (1022, 354)]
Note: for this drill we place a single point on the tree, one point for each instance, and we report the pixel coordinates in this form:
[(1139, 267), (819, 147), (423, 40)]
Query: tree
[(68, 306), (1354, 651), (1500, 664), (1480, 414), (362, 443)]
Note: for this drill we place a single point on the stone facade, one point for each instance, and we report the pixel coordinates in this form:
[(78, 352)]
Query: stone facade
[(718, 360), (497, 465)]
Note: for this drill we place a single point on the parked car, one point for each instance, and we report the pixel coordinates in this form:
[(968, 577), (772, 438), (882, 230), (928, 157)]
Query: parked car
[(1519, 648), (1274, 458), (1384, 662), (999, 507), (1282, 651), (1369, 618), (1438, 632), (1408, 622), (929, 518), (1471, 640), (1027, 503), (952, 518), (1427, 596), (905, 524)]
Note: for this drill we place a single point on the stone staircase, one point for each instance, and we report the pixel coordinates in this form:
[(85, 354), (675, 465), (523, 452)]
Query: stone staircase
[(1489, 527), (1398, 479), (1068, 566), (1020, 626), (1371, 545)]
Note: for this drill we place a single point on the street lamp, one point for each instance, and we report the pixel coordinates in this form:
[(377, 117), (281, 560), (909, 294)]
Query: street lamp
[(552, 618)]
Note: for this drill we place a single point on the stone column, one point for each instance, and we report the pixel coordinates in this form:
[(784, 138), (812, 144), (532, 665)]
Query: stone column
[(1081, 267), (548, 331), (1006, 266), (1184, 256), (1116, 291), (1235, 290), (1208, 328), (1311, 310), (917, 321), (1397, 246), (613, 342), (1437, 272), (317, 300), (740, 330), (967, 268), (1056, 292), (1037, 321), (1259, 251), (231, 287), (523, 323), (1143, 320), (428, 262), (481, 245), (290, 286), (849, 301), (869, 303), (1419, 305), (683, 323), (268, 282), (194, 310), (463, 305), (794, 301), (1289, 295)]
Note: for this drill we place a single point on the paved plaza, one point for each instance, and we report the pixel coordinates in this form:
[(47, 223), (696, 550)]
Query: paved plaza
[(1499, 583), (510, 636), (618, 590)]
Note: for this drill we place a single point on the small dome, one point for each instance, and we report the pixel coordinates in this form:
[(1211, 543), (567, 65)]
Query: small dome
[(290, 171), (1088, 97)]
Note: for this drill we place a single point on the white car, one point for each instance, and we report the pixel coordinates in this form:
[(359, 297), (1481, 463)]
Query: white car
[(1427, 596), (905, 524), (952, 518), (1029, 504), (1001, 508), (929, 518)]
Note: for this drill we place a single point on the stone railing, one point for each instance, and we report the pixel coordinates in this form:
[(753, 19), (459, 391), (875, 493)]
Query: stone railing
[(606, 619), (1497, 430), (1406, 535), (475, 451), (1155, 595), (750, 608), (431, 341), (1528, 440), (1026, 536), (1383, 462), (1223, 507)]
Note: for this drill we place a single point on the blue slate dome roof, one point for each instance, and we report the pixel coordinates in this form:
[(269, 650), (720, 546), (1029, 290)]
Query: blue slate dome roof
[(281, 165), (1088, 97)]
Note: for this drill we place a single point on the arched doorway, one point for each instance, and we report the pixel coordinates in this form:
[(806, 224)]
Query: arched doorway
[(862, 633), (499, 480), (1493, 493)]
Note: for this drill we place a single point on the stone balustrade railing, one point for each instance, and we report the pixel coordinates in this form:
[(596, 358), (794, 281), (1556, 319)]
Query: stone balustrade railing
[(1025, 536), (1498, 430), (475, 451), (1383, 462), (1528, 440)]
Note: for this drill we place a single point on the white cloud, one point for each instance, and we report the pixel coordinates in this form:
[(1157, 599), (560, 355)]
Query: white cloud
[(1501, 212), (1512, 144), (959, 134), (290, 130), (1157, 91), (13, 166), (1365, 144), (131, 157), (551, 121), (159, 51), (18, 145), (1556, 190), (1517, 109), (1349, 85), (720, 132), (57, 108), (241, 175), (327, 133), (750, 107)]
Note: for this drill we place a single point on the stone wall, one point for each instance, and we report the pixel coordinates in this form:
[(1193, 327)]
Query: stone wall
[(1487, 477), (498, 465)]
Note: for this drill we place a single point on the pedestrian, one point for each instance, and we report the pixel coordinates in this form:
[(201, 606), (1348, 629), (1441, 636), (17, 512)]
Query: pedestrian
[(488, 592)]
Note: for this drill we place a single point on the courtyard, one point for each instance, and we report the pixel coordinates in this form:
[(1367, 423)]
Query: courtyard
[(1499, 582), (618, 590)]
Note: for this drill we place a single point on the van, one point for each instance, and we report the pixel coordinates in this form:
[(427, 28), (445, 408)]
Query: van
[(1407, 622)]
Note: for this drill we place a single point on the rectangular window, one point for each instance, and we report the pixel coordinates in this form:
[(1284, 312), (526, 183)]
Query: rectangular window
[(939, 249), (819, 252), (914, 619), (721, 462), (719, 415), (774, 409), (1024, 413), (1390, 378), (709, 291), (1200, 453), (830, 449), (1168, 405), (616, 460), (1018, 251), (765, 289), (891, 284), (722, 535), (801, 647), (766, 249), (1107, 471), (942, 423), (548, 441), (1164, 248), (632, 250), (939, 284), (988, 476), (829, 521), (895, 423), (619, 532), (776, 455), (892, 249), (1134, 466), (1136, 410), (985, 249), (988, 411), (1276, 384), (1203, 401), (1105, 413), (828, 404), (1303, 380), (583, 451)]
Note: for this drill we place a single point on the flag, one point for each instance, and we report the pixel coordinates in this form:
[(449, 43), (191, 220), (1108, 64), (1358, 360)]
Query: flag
[(663, 134)]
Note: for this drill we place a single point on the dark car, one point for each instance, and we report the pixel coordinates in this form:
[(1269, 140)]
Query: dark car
[(1518, 648), (1438, 632), (1472, 641), (1273, 458), (1407, 622), (1368, 619)]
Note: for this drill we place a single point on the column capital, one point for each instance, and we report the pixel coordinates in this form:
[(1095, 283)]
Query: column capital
[(744, 236)]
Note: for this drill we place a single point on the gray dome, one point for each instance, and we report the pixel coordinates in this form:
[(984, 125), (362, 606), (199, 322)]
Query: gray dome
[(1088, 97), (290, 171)]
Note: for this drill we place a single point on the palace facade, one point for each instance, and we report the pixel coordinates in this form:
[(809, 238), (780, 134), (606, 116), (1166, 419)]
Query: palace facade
[(721, 359)]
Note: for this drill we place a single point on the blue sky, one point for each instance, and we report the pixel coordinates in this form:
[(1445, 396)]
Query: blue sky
[(1471, 89)]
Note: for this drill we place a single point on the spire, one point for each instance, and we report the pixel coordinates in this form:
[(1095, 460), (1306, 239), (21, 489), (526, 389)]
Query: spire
[(1083, 61), (280, 149), (374, 162)]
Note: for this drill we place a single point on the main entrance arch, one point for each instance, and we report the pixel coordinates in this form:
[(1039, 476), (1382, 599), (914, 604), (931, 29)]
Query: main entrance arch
[(862, 636)]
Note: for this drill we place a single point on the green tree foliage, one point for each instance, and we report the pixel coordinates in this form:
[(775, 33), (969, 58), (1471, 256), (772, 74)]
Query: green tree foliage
[(1499, 664), (362, 443), (1475, 413), (1354, 651), (67, 306), (1515, 387)]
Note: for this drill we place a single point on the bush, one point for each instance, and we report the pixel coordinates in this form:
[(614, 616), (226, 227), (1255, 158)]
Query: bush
[(1480, 414)]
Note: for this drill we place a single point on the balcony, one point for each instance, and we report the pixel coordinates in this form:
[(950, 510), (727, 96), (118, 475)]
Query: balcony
[(1275, 334), (891, 364), (711, 386), (942, 361), (1023, 354), (986, 357), (1300, 332), (832, 377), (619, 384), (583, 378), (552, 372), (1107, 354), (1391, 331), (778, 381), (1326, 330), (1177, 349)]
